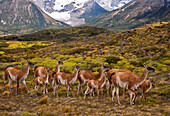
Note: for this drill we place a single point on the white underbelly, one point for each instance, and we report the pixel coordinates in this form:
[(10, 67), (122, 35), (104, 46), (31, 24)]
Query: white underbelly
[(64, 82), (121, 83), (12, 76), (83, 79)]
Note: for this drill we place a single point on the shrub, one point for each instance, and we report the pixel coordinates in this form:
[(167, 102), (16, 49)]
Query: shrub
[(112, 59)]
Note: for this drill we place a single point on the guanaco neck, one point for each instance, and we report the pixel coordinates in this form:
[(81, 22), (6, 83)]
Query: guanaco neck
[(100, 75), (26, 71), (75, 75), (142, 78), (57, 69), (103, 79)]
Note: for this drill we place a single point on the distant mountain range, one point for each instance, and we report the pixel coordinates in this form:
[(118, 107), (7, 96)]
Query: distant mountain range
[(23, 16), (27, 16), (134, 14), (76, 12)]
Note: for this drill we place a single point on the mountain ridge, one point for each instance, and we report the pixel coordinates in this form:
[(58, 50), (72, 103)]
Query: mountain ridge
[(21, 16), (65, 10), (134, 14)]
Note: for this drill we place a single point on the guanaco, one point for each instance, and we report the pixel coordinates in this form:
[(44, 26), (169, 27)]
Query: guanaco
[(130, 81), (86, 75), (17, 74), (43, 81), (65, 79)]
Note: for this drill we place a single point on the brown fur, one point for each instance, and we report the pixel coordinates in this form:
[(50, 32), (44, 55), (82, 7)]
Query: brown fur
[(43, 81), (91, 84), (43, 70), (129, 80), (66, 79), (145, 86), (17, 74), (88, 75), (109, 73)]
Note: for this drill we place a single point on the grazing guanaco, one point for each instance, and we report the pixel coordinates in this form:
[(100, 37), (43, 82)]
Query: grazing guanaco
[(65, 79), (130, 81), (98, 84), (17, 74), (145, 87), (43, 81), (86, 75), (41, 71)]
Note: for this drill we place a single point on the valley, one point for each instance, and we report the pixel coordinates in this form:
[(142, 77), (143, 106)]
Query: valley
[(90, 47)]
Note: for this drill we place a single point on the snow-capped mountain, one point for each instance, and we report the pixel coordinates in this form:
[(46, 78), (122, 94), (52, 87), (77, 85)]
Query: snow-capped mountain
[(75, 12), (110, 5)]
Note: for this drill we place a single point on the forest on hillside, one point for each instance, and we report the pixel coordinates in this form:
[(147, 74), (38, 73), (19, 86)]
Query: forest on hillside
[(90, 47)]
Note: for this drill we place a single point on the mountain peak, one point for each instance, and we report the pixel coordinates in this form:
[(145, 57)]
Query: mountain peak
[(75, 12), (22, 15), (134, 14)]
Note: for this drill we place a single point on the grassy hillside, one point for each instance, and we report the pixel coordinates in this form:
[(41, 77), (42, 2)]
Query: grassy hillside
[(59, 35), (89, 47)]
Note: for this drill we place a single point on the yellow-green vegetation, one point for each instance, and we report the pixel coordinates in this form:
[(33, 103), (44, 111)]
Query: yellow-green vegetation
[(27, 114), (125, 50), (17, 44), (2, 52)]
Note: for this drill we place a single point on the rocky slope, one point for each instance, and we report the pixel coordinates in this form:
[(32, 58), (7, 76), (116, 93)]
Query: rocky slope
[(133, 14), (21, 16)]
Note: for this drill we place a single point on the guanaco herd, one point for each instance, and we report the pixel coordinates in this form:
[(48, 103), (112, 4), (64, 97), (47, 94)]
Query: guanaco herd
[(119, 78)]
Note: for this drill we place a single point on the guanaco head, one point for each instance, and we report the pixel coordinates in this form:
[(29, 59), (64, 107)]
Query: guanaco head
[(59, 62), (106, 75), (30, 63), (149, 68), (104, 66), (77, 67)]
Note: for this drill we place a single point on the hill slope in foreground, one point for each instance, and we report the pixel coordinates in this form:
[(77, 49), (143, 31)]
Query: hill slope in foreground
[(127, 50)]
